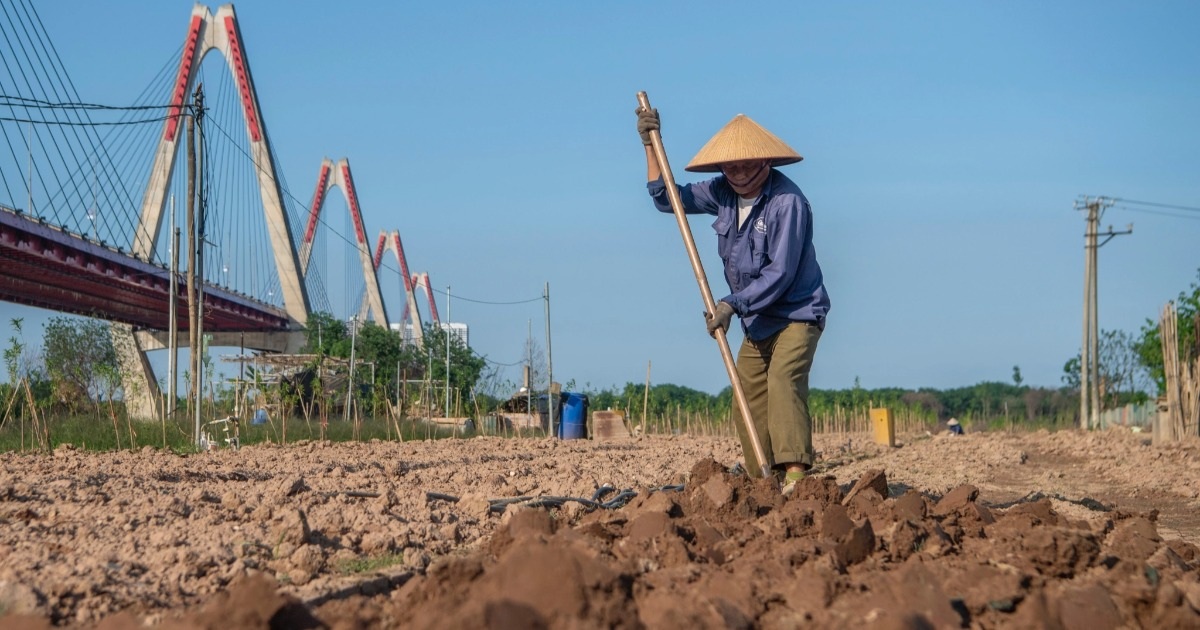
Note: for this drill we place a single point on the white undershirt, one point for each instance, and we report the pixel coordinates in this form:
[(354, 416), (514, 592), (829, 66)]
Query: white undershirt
[(744, 205)]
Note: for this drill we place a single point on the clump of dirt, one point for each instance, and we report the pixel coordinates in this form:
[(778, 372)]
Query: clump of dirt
[(983, 530)]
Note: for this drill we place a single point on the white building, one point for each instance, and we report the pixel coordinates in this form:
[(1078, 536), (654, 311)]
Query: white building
[(459, 330)]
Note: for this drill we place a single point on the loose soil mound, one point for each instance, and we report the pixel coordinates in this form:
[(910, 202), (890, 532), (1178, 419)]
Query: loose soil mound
[(980, 531)]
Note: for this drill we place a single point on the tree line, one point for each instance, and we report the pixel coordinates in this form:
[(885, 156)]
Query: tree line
[(980, 402), (75, 370)]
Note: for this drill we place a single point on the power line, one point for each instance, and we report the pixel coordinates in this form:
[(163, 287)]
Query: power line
[(1159, 212), (498, 364), (67, 123), (385, 265), (456, 297), (35, 103), (1155, 204)]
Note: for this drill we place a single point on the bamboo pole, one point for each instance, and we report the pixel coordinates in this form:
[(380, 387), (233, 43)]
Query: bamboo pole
[(1170, 352), (646, 397), (11, 399), (40, 430)]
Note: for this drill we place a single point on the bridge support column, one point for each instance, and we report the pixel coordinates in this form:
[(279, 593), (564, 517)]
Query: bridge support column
[(142, 396)]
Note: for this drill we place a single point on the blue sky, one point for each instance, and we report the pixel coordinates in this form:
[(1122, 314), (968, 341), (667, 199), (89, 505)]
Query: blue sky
[(944, 144)]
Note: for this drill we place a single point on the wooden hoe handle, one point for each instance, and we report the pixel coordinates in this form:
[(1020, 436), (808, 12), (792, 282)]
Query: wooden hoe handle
[(710, 305)]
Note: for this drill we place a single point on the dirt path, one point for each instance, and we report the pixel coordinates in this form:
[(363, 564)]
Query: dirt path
[(986, 530), (1114, 468), (1178, 515)]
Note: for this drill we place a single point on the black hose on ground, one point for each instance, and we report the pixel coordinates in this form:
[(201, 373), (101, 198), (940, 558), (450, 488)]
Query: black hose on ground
[(620, 500)]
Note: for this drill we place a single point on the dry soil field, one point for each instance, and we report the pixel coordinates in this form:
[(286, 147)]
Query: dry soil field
[(1062, 530)]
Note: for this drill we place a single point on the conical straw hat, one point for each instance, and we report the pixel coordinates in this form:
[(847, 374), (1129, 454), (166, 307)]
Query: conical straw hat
[(742, 139)]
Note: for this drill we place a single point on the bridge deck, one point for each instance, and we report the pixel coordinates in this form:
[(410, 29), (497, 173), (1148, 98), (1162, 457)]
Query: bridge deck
[(44, 266)]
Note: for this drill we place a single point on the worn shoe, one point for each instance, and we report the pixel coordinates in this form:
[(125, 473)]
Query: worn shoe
[(790, 480)]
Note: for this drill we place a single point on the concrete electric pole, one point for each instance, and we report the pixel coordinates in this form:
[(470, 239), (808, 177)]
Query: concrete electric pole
[(1089, 363)]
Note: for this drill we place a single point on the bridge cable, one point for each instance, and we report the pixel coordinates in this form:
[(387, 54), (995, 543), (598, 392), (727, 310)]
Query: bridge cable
[(132, 157), (77, 120), (67, 90), (287, 192), (10, 38), (61, 189)]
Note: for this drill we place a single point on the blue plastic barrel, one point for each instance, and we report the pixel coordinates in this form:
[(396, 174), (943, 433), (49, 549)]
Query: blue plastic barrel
[(573, 425)]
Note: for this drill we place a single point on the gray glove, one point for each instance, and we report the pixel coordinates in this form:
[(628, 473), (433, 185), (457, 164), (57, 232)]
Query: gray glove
[(647, 122), (720, 320)]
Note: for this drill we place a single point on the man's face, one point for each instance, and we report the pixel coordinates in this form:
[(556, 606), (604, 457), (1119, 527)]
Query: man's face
[(746, 176)]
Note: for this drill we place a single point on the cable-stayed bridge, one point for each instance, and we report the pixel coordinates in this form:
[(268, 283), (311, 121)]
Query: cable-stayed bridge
[(97, 200)]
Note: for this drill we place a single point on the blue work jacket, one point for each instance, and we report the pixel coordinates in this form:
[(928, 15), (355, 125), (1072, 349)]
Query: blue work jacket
[(770, 262)]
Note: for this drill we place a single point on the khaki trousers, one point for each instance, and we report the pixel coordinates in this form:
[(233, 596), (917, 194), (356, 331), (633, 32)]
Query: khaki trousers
[(774, 376)]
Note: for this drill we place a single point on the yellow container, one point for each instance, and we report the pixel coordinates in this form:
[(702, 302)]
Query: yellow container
[(885, 429)]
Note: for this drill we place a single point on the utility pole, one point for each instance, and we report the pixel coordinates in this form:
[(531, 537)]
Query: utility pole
[(193, 346), (428, 397), (529, 373), (201, 221), (350, 384), (239, 402), (1089, 362), (550, 402), (173, 315), (448, 320)]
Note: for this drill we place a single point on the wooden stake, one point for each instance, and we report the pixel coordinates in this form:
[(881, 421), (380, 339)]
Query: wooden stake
[(646, 397)]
